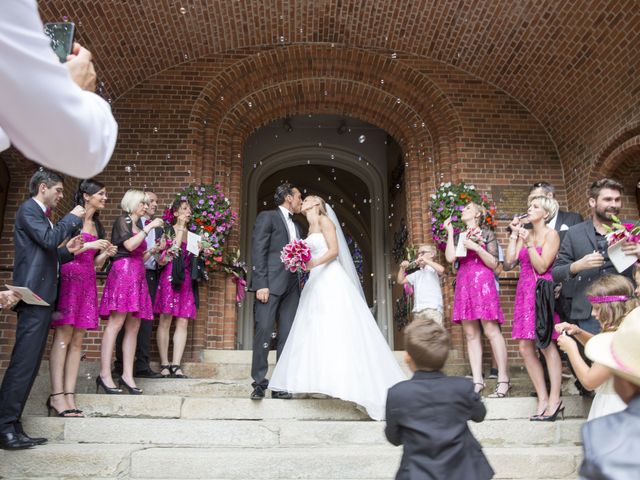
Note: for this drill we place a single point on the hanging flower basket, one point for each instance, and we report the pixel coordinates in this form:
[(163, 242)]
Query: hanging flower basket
[(448, 201)]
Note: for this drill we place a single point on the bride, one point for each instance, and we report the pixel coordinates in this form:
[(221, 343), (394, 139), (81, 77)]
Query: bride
[(335, 347)]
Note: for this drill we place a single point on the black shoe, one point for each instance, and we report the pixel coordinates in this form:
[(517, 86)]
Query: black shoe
[(107, 390), (14, 441), (258, 393), (130, 389), (36, 440), (148, 373), (282, 395)]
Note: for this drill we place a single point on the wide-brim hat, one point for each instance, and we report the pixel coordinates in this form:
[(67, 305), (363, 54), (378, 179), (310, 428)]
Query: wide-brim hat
[(619, 350)]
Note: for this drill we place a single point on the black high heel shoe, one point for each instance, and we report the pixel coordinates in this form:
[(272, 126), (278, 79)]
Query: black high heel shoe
[(554, 415), (497, 393), (107, 390), (65, 413), (130, 389), (75, 410), (167, 368)]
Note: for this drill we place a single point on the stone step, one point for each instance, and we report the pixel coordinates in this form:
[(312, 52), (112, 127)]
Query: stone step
[(71, 461), (175, 406), (274, 433)]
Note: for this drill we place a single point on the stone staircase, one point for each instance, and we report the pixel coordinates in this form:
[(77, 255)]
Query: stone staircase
[(207, 428)]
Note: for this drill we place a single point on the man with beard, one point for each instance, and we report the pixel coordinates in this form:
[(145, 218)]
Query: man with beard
[(583, 253)]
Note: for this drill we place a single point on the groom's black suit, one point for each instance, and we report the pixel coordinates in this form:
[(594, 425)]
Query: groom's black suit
[(270, 235)]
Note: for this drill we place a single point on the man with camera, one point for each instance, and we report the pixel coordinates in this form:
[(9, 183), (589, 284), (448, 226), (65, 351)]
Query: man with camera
[(47, 111)]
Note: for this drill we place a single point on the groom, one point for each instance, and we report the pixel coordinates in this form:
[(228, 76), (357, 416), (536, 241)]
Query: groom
[(277, 290)]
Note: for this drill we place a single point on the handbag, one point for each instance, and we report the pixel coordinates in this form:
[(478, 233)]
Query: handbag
[(545, 303)]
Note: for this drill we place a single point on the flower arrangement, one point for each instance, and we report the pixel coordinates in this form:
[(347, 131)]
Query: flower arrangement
[(622, 231), (212, 219), (356, 254), (238, 269), (295, 256), (448, 201)]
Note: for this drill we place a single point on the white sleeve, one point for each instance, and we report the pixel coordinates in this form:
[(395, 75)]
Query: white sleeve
[(49, 118), (411, 278)]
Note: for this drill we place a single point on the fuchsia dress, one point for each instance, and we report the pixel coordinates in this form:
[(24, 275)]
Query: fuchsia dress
[(524, 311), (178, 303), (476, 297), (78, 297), (126, 289)]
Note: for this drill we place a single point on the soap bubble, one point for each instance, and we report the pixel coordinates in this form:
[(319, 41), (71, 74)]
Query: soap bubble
[(361, 139)]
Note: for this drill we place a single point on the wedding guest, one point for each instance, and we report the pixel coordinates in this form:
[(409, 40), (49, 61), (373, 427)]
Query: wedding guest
[(535, 250), (36, 261), (612, 299), (49, 112), (125, 298), (175, 297), (562, 220), (476, 299), (583, 255), (427, 295), (77, 308), (142, 366), (428, 414), (611, 443)]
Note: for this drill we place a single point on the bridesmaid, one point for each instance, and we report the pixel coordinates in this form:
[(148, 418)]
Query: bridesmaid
[(125, 298), (535, 250), (476, 299), (175, 296), (77, 309)]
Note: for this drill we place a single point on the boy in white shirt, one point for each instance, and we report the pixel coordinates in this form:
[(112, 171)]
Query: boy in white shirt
[(427, 295)]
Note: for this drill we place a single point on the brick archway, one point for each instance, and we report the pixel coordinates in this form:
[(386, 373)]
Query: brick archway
[(300, 80)]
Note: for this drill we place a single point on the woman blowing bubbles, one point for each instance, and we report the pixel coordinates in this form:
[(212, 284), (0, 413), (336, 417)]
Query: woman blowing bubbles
[(476, 299)]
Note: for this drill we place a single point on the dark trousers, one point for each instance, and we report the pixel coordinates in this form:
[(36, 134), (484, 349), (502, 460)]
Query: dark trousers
[(31, 339), (280, 309), (143, 347)]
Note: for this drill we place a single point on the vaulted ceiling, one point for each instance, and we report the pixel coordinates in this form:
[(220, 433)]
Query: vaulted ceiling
[(569, 62)]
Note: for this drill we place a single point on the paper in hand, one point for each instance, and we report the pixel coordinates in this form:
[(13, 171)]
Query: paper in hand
[(192, 243), (27, 296), (461, 250), (620, 260)]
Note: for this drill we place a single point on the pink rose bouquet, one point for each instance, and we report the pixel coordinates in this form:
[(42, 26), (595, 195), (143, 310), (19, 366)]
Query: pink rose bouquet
[(295, 256)]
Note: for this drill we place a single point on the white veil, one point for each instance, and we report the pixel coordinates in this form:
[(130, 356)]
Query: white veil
[(344, 254)]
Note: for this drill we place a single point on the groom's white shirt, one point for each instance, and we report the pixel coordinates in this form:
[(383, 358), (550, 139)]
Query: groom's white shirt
[(290, 225)]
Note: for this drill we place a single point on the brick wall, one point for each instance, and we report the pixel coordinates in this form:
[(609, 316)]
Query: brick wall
[(189, 123)]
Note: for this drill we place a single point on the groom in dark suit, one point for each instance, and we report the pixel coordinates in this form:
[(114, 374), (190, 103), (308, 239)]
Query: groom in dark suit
[(277, 290), (37, 258)]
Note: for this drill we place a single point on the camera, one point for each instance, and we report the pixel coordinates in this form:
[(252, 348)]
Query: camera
[(412, 267)]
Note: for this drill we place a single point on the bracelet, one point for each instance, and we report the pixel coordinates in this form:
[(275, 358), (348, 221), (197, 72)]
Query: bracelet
[(144, 231), (529, 246), (513, 238)]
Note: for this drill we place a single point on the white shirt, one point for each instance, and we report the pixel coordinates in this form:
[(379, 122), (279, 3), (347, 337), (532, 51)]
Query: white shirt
[(151, 262), (552, 223), (290, 225), (43, 112), (44, 209), (426, 289)]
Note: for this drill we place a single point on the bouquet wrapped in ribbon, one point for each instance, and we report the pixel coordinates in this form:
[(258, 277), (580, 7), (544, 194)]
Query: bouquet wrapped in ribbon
[(295, 256)]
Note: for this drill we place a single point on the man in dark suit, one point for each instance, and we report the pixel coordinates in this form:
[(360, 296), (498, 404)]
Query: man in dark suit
[(142, 367), (583, 253), (37, 258), (428, 414), (277, 290)]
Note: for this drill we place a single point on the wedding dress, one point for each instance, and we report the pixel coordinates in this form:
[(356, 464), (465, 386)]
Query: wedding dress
[(334, 346)]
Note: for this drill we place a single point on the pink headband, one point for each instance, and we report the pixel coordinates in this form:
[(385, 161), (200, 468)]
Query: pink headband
[(608, 299)]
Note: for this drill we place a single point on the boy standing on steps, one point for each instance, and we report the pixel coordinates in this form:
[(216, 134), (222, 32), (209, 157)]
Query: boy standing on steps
[(428, 414)]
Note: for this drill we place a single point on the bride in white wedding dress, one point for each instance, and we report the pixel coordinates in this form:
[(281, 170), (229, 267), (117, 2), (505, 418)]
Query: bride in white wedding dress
[(334, 346)]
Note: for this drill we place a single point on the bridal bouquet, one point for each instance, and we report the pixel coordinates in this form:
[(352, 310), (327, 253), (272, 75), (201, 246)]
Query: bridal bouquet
[(295, 256)]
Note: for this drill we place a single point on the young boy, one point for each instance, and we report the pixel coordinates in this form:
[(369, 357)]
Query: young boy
[(427, 295), (428, 414), (611, 443)]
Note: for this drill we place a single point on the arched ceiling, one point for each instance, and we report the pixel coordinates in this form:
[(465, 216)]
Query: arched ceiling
[(562, 59)]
